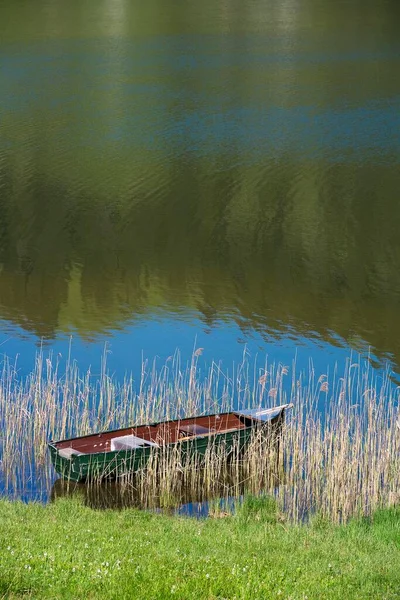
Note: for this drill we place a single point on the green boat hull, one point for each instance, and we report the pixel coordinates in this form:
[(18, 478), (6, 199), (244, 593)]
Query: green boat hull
[(111, 465)]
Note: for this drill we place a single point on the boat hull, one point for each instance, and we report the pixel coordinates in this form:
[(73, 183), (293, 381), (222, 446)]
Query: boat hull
[(116, 464), (111, 465)]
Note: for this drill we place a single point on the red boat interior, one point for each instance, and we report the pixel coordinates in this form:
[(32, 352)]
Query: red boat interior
[(152, 435)]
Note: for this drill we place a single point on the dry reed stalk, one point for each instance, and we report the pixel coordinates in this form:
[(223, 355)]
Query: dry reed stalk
[(338, 455)]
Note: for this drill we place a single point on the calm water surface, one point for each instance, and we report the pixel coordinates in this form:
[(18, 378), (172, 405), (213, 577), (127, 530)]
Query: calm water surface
[(212, 173)]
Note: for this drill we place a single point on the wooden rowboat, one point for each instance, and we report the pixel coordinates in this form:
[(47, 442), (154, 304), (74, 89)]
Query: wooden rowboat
[(111, 454)]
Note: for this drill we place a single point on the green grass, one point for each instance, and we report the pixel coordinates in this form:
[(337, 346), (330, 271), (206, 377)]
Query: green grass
[(66, 550)]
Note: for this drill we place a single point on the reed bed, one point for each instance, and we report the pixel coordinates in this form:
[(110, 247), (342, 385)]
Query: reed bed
[(338, 456)]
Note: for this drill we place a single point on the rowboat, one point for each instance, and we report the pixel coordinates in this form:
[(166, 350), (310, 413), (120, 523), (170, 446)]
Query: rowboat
[(111, 454)]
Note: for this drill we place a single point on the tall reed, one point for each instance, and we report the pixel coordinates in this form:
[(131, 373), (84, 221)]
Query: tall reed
[(338, 457)]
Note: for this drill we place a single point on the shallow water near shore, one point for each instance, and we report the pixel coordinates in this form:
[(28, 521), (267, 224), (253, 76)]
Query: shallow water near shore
[(217, 177), (116, 496)]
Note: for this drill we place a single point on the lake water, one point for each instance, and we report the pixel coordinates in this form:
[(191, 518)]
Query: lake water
[(223, 175)]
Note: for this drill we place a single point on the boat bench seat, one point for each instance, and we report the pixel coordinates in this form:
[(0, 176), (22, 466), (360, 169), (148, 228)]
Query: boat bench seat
[(69, 452), (129, 442), (193, 429)]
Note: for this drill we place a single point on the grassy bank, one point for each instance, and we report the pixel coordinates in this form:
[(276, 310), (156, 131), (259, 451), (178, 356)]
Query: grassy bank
[(65, 550)]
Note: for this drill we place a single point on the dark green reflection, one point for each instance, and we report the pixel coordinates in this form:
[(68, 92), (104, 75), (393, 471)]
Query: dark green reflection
[(321, 258), (239, 161)]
